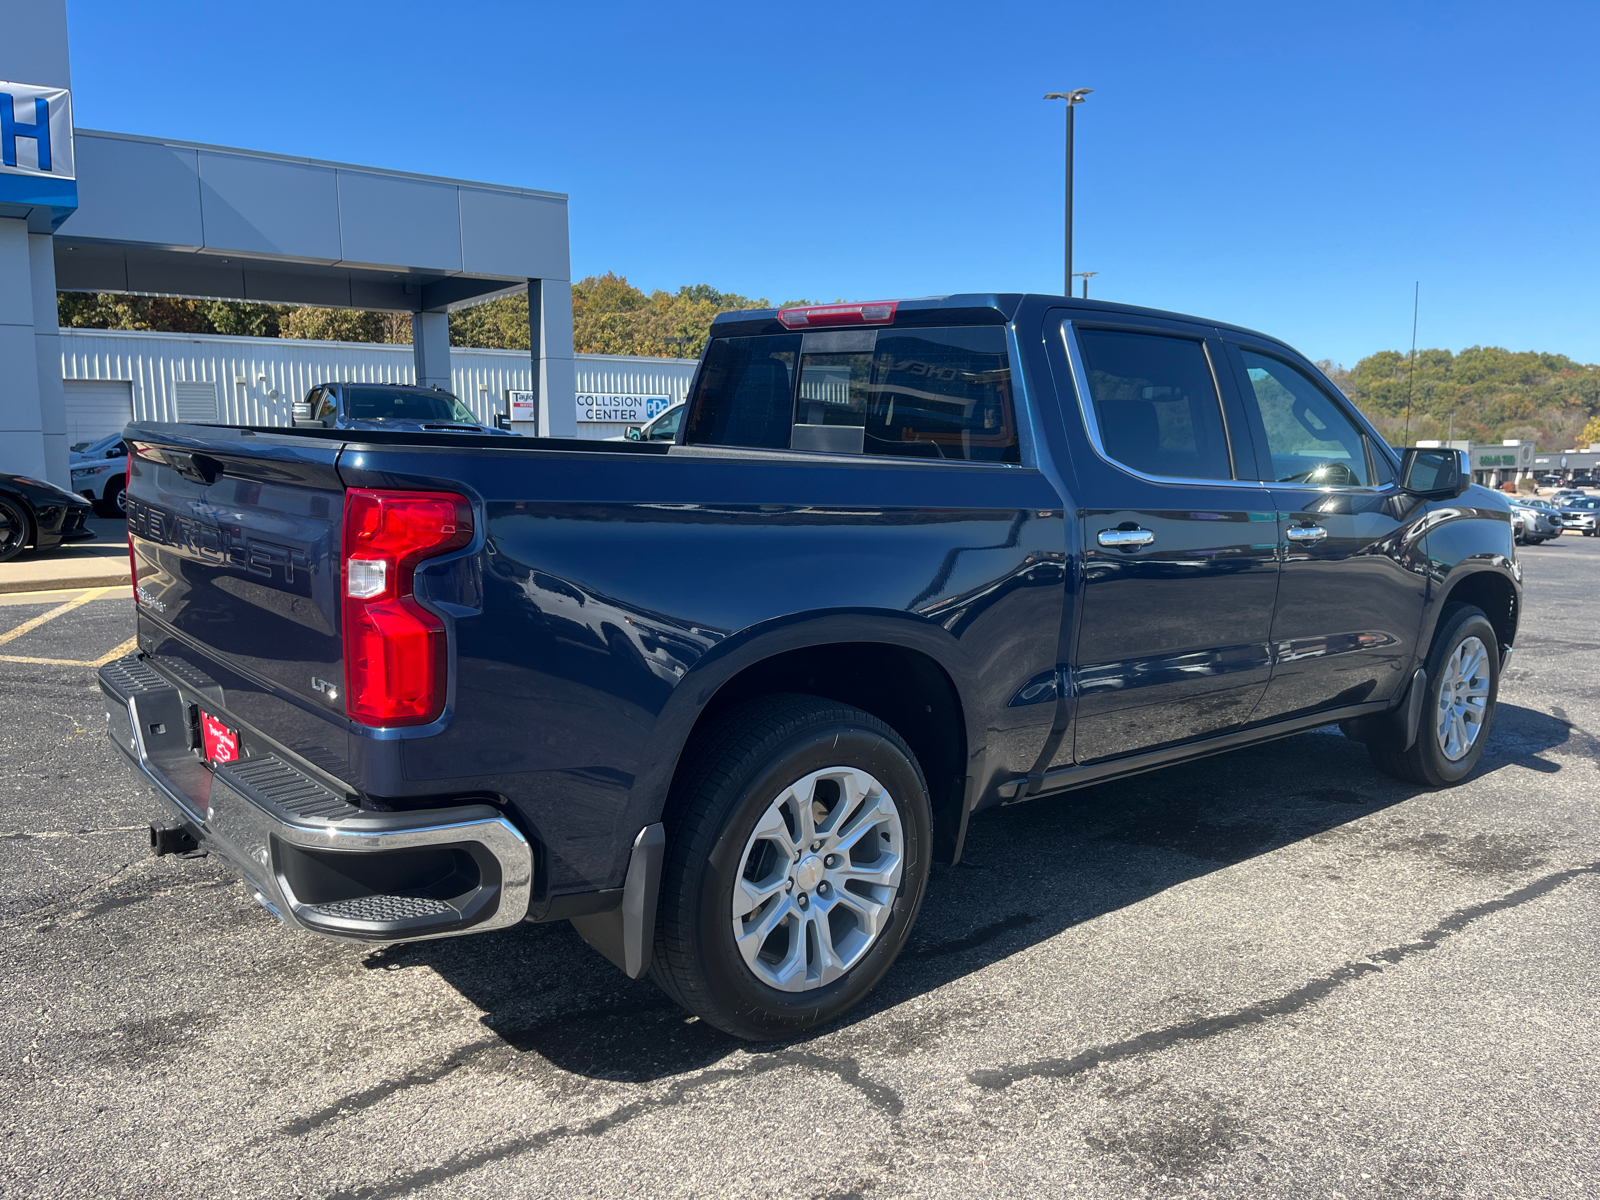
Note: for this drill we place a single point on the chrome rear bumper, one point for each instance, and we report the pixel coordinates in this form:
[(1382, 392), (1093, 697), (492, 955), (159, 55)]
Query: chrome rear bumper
[(315, 860)]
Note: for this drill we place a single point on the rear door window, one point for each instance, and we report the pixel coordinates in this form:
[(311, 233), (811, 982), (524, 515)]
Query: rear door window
[(1156, 404), (938, 392)]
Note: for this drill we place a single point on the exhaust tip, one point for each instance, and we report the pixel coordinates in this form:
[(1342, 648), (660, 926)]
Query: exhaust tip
[(171, 839)]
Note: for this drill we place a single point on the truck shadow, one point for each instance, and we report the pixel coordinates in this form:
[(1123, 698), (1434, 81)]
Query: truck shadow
[(1030, 871)]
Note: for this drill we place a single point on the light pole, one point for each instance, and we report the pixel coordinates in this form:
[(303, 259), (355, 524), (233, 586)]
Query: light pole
[(1085, 276), (1073, 99)]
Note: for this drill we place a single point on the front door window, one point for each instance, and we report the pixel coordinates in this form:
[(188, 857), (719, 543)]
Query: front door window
[(1309, 439)]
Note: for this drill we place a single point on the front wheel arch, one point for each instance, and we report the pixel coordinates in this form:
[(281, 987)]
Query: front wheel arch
[(1488, 590)]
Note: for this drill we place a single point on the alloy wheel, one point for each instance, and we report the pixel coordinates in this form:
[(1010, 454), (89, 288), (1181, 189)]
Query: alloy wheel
[(1463, 699), (818, 879)]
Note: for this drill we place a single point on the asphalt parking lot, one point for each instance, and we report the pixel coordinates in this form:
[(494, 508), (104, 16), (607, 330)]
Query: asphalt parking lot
[(1274, 974)]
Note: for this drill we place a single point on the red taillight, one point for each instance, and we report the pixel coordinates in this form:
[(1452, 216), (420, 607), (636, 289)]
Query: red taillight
[(394, 649), (879, 312)]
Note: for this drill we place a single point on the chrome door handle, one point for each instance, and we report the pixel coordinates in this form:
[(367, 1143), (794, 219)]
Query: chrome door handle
[(1125, 538), (1305, 533)]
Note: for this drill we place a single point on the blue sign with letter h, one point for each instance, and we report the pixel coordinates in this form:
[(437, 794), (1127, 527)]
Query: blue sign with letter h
[(11, 129)]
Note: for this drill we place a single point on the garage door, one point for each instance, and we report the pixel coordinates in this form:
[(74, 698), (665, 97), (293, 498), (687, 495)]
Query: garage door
[(96, 407)]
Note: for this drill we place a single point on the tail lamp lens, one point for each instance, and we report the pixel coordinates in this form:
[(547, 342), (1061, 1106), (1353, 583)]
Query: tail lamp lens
[(394, 649)]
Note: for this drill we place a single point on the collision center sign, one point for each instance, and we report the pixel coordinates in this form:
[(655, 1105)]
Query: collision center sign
[(620, 407)]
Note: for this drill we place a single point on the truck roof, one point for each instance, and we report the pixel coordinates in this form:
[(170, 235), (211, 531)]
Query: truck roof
[(982, 308)]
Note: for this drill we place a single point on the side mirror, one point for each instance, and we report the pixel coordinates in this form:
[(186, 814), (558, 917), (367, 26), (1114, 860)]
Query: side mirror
[(1434, 474), (634, 433)]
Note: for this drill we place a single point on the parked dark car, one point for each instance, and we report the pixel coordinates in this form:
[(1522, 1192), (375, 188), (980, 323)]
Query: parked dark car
[(387, 406), (722, 703), (38, 514)]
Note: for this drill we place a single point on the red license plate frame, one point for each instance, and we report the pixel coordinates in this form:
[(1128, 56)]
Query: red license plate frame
[(220, 742)]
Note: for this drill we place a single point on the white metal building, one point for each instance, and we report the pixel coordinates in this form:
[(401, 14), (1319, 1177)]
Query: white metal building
[(111, 376)]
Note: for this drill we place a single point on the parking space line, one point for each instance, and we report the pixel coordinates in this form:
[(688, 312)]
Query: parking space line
[(108, 656), (30, 625)]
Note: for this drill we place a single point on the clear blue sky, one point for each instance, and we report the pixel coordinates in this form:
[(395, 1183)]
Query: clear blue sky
[(1289, 167)]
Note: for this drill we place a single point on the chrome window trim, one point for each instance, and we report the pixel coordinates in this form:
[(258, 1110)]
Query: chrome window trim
[(1329, 488), (1080, 382)]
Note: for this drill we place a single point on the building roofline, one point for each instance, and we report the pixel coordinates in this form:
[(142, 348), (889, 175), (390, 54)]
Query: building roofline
[(322, 162)]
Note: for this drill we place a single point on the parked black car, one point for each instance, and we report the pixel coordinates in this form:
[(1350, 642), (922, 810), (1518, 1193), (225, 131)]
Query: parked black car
[(38, 514), (722, 703)]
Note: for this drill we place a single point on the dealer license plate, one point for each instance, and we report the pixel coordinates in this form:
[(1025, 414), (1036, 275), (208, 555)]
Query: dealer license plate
[(221, 743)]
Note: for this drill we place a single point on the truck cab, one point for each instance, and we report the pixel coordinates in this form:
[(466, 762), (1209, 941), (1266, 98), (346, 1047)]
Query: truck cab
[(403, 408)]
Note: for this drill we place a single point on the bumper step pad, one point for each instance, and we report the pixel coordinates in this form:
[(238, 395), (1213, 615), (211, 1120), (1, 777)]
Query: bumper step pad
[(317, 860)]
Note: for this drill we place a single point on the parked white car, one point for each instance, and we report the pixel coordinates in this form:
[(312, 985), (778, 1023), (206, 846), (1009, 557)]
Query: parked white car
[(99, 474), (663, 427)]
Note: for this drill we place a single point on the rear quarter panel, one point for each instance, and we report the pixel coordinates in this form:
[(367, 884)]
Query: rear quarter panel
[(619, 591)]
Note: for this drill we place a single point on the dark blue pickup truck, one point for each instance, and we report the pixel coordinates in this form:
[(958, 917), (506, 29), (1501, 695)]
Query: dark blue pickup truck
[(721, 703)]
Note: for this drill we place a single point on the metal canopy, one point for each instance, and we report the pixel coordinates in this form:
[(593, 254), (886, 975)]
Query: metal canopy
[(163, 217)]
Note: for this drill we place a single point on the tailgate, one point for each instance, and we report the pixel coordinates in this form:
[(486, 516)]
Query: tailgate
[(235, 542)]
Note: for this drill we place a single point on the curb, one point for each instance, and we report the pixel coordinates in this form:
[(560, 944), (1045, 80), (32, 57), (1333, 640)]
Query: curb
[(66, 585)]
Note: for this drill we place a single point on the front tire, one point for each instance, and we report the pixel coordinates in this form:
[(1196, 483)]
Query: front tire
[(1458, 709), (15, 528), (114, 504), (799, 840)]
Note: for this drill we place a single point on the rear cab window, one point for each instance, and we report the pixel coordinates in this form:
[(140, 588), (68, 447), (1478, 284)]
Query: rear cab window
[(936, 392)]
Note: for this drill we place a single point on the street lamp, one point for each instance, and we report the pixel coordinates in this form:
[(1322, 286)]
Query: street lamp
[(1073, 98), (1085, 276)]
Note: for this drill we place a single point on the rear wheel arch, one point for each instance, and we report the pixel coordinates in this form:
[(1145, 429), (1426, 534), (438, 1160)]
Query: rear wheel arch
[(906, 688)]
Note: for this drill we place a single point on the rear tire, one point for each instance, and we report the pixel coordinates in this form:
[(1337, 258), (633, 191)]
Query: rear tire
[(731, 865), (1442, 755)]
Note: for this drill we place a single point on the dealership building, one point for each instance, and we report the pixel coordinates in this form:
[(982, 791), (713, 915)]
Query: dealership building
[(86, 210)]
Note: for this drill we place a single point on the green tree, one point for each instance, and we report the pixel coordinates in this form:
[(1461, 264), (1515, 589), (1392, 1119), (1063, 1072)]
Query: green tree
[(609, 316), (166, 314), (1484, 393), (494, 325), (345, 325)]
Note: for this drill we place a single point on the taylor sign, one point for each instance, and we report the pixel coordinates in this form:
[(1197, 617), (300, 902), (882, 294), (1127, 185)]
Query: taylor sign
[(619, 407)]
